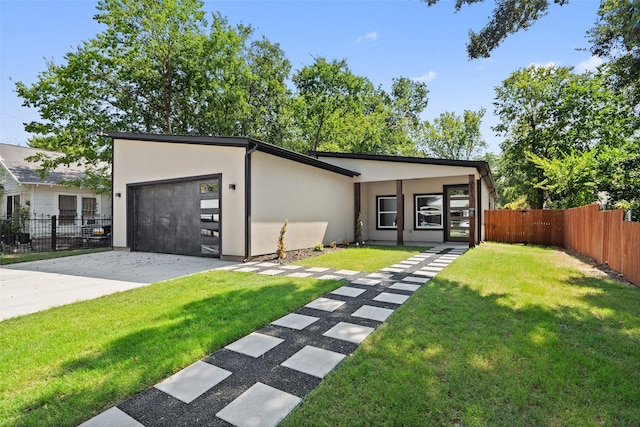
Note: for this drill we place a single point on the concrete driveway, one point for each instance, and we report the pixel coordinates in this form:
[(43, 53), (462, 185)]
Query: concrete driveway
[(34, 286)]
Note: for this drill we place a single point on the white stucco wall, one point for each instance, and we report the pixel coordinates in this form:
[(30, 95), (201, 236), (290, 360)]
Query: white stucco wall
[(148, 161), (317, 203)]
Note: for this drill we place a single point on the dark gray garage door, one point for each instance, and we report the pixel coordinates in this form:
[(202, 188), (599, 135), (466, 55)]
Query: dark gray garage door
[(176, 217)]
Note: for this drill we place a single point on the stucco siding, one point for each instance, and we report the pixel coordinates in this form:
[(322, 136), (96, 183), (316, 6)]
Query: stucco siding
[(149, 161), (318, 204)]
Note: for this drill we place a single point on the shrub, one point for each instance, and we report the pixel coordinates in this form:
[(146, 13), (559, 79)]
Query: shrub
[(281, 251), (333, 244), (345, 243), (318, 247)]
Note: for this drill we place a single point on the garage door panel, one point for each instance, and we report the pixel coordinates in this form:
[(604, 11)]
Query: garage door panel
[(169, 218)]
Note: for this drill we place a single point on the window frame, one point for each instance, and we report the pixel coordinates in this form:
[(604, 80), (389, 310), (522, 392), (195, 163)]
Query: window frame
[(378, 212), (416, 224)]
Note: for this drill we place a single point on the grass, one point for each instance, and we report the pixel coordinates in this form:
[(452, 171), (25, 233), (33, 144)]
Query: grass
[(67, 364), (6, 259), (506, 335), (366, 259)]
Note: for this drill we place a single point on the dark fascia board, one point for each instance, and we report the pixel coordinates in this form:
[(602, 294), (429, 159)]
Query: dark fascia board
[(480, 165), (233, 141)]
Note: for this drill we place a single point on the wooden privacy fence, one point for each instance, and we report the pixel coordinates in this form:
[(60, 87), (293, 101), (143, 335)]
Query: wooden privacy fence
[(601, 235)]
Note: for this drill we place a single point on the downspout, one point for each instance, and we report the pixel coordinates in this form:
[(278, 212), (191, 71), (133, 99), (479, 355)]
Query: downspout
[(252, 147)]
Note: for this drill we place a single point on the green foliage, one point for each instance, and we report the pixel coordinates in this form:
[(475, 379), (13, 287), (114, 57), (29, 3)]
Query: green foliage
[(546, 112), (318, 247), (281, 251), (158, 67), (570, 180), (519, 204), (333, 244), (453, 137)]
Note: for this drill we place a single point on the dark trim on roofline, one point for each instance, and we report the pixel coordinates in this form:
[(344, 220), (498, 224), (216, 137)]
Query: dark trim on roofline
[(480, 165), (234, 141)]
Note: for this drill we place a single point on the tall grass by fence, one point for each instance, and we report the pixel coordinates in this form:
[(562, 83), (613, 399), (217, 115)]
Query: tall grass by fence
[(52, 233), (601, 235)]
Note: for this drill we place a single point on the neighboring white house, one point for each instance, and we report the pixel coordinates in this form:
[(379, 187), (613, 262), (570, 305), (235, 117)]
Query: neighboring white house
[(22, 187), (228, 197)]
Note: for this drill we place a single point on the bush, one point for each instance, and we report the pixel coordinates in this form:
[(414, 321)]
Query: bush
[(281, 251), (333, 244), (318, 247)]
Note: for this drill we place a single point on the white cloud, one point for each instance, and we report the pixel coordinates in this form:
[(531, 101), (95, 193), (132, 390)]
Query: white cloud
[(589, 65), (373, 36), (426, 78)]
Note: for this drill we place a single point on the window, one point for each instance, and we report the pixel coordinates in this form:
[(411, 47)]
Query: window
[(68, 209), (13, 205), (428, 209), (89, 207), (387, 212)]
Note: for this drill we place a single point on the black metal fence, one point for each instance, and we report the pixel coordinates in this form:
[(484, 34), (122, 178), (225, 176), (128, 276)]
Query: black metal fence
[(53, 233)]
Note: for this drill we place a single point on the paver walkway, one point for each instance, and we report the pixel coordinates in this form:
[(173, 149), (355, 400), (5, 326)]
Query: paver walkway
[(259, 379)]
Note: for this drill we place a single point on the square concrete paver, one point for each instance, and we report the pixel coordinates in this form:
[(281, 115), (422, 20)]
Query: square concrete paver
[(192, 381), (260, 406), (428, 274), (254, 344), (291, 267), (374, 313), (295, 321), (268, 264), (271, 272), (314, 361), (300, 274), (348, 291), (317, 269), (347, 272), (380, 275), (111, 417), (414, 279), (349, 332), (392, 298), (431, 268), (366, 282), (404, 287), (401, 266), (229, 267), (325, 304), (393, 270)]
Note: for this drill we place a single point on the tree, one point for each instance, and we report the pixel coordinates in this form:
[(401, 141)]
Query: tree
[(158, 67), (453, 137), (546, 112), (570, 180), (616, 36), (508, 17)]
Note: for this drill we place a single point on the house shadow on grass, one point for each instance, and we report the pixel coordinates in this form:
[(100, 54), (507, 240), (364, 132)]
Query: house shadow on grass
[(137, 360)]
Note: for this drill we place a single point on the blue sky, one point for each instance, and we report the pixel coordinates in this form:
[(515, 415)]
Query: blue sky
[(380, 39)]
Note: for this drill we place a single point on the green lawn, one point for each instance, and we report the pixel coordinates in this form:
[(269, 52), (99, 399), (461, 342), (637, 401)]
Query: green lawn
[(6, 259), (64, 365), (506, 335), (367, 259)]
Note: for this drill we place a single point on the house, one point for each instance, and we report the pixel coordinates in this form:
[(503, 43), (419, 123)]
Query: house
[(229, 197), (24, 188)]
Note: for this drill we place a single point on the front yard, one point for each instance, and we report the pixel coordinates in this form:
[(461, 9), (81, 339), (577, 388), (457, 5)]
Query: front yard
[(506, 335)]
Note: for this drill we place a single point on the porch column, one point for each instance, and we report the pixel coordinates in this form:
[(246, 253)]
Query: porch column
[(356, 209), (400, 212), (472, 211)]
